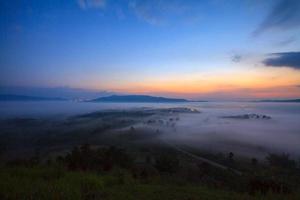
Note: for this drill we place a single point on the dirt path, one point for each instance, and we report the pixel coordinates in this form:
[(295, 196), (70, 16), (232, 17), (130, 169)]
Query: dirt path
[(199, 158)]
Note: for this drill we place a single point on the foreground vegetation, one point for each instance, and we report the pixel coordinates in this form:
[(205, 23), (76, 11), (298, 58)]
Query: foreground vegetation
[(50, 183), (128, 159), (112, 173)]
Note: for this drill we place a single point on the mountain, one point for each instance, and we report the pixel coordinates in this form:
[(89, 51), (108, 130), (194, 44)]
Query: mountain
[(10, 97), (137, 98), (281, 100), (61, 92)]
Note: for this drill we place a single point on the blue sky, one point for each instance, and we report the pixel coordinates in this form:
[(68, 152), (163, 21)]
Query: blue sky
[(214, 48)]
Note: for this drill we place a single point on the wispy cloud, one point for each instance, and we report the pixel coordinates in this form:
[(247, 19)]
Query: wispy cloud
[(285, 59), (286, 41), (85, 4), (284, 15), (157, 12), (147, 11), (236, 58)]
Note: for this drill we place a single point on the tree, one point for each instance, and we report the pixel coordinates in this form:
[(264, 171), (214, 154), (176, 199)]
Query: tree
[(254, 161), (230, 157), (283, 160), (167, 163), (87, 158)]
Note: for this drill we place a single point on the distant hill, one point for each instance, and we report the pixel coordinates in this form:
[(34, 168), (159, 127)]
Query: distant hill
[(137, 98), (61, 92), (280, 100), (10, 97)]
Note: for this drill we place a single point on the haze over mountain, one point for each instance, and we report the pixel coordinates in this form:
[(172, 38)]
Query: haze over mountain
[(280, 100), (67, 93), (56, 92), (9, 97)]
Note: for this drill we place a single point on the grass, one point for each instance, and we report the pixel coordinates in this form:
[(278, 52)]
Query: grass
[(58, 183)]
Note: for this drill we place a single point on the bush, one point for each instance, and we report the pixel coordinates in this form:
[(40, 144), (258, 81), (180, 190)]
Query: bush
[(86, 158), (281, 160), (167, 163)]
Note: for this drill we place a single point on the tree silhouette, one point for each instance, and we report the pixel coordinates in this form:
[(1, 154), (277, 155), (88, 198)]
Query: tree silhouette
[(86, 158), (283, 160), (167, 163), (254, 161)]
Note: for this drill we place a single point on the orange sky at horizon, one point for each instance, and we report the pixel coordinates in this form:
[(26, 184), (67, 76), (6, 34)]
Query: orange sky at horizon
[(251, 83)]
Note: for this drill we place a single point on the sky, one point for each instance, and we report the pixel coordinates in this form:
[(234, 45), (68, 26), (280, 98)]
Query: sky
[(217, 49)]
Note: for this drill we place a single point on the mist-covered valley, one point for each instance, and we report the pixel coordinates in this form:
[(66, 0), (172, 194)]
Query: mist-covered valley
[(248, 129)]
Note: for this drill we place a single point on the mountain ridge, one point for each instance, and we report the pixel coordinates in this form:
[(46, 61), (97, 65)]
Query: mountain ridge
[(280, 100), (13, 97), (137, 98)]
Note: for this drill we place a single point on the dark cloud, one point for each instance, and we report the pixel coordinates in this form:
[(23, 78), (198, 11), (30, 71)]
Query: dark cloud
[(285, 59), (236, 58), (284, 15)]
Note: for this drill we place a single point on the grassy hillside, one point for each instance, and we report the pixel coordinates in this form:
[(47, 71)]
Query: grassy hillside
[(57, 183), (113, 173)]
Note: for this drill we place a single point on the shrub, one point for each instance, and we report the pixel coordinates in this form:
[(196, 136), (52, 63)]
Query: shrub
[(167, 163), (86, 158), (281, 160)]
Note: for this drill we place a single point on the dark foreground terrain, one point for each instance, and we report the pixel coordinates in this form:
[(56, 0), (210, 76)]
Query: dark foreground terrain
[(121, 155)]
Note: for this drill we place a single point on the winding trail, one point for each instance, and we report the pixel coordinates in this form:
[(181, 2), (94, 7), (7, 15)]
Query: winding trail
[(199, 158)]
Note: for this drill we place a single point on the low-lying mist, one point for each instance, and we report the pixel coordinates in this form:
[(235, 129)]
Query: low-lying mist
[(246, 137), (247, 129)]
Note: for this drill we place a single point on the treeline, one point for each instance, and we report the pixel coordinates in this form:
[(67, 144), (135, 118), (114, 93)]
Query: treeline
[(278, 175)]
